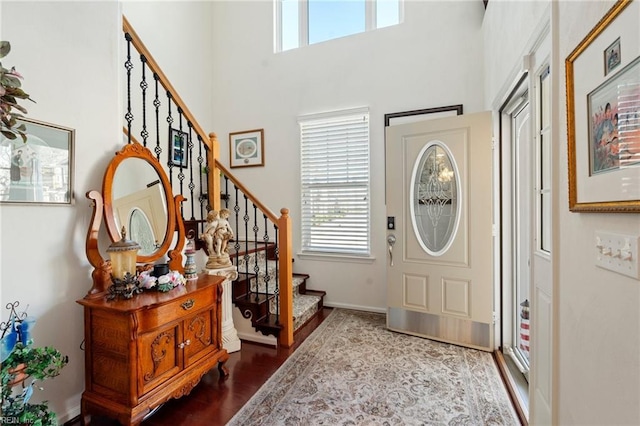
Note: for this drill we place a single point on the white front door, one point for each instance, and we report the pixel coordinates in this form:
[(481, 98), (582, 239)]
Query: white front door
[(439, 229)]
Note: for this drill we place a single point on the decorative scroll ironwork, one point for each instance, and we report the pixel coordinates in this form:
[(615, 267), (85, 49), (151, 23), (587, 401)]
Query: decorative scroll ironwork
[(148, 114)]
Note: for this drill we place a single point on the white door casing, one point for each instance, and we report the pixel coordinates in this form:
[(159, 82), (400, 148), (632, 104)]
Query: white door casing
[(444, 294)]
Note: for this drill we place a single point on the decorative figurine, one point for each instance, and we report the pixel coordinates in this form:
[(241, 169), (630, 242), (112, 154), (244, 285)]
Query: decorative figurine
[(190, 268), (216, 235)]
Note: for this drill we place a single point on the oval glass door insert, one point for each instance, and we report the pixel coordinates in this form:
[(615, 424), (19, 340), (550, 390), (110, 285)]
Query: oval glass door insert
[(140, 231), (435, 198)]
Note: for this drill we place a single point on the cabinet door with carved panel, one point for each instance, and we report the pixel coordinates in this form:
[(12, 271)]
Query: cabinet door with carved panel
[(159, 356), (200, 336)]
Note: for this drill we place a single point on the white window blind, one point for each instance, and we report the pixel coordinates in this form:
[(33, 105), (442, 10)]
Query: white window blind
[(335, 183)]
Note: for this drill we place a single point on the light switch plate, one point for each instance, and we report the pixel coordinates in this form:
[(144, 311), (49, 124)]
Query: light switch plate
[(618, 253)]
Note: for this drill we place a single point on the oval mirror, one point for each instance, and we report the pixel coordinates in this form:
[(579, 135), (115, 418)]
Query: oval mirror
[(435, 198), (137, 195)]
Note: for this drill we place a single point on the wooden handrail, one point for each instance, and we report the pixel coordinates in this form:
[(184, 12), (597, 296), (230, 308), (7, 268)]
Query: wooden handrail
[(164, 81), (270, 214)]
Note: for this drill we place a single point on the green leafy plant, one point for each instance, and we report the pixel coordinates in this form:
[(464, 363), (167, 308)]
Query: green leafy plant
[(29, 364), (10, 92)]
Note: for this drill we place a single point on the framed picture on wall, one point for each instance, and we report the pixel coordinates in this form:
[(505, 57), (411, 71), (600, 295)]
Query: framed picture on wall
[(603, 115), (246, 148), (40, 169), (178, 145), (614, 130), (612, 56)]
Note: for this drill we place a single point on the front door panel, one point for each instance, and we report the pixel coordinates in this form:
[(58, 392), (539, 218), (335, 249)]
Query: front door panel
[(439, 278)]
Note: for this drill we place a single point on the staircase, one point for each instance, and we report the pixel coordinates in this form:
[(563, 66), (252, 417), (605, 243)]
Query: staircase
[(255, 295), (154, 111)]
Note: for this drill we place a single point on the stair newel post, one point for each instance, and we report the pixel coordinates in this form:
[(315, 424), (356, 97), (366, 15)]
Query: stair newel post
[(213, 155), (285, 278)]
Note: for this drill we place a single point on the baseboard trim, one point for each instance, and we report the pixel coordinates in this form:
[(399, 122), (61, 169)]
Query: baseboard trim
[(70, 417), (505, 374), (356, 307), (264, 340)]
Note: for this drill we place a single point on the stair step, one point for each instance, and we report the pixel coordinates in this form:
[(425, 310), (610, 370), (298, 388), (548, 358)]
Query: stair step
[(257, 304), (306, 303), (304, 307), (268, 325)]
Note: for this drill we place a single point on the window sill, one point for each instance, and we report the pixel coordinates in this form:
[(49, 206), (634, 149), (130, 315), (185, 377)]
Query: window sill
[(336, 257)]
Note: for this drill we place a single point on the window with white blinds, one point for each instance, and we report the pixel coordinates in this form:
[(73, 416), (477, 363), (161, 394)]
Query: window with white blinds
[(335, 182)]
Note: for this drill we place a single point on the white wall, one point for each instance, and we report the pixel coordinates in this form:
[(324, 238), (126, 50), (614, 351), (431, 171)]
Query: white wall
[(599, 311), (430, 60), (597, 328), (508, 28), (66, 53), (179, 36)]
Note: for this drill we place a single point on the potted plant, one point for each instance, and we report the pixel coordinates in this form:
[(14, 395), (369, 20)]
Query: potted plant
[(23, 367), (10, 92)]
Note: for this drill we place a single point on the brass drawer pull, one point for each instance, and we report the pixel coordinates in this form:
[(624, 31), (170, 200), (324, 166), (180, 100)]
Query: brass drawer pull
[(188, 304)]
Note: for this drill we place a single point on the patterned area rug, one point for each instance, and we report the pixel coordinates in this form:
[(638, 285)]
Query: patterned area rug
[(353, 371)]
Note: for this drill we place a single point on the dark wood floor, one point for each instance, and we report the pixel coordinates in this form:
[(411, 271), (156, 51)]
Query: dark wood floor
[(214, 401)]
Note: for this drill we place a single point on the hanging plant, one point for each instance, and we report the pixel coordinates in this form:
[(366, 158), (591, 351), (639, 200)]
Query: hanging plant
[(10, 92)]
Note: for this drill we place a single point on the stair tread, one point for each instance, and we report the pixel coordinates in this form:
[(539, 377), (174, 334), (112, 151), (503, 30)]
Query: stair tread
[(306, 302)]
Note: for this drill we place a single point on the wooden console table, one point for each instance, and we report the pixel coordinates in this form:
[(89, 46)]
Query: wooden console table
[(143, 351)]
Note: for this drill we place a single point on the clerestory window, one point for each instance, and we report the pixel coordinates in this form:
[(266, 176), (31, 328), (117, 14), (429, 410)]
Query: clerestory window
[(303, 22)]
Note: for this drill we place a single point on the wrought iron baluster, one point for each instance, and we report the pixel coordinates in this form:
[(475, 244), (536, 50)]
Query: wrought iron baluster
[(276, 253), (246, 233), (128, 66), (265, 238), (189, 153), (226, 191), (183, 150), (169, 124), (144, 86), (236, 209), (156, 104), (255, 229), (204, 202)]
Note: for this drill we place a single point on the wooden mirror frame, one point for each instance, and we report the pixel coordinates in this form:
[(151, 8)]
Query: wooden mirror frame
[(103, 208)]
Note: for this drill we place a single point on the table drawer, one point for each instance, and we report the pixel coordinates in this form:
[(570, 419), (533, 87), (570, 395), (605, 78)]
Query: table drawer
[(157, 315)]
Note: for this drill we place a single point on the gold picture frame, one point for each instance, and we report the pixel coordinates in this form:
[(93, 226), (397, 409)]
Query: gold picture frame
[(594, 95), (40, 170), (246, 149)]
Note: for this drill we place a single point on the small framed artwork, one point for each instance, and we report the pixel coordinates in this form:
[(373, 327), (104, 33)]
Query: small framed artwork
[(40, 170), (612, 56), (246, 148), (603, 115), (178, 145)]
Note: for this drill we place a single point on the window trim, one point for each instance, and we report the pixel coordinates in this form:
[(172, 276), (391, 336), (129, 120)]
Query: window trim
[(340, 255), (371, 18)]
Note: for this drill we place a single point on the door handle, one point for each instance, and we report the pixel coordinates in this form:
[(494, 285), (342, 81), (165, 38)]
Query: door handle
[(391, 240)]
